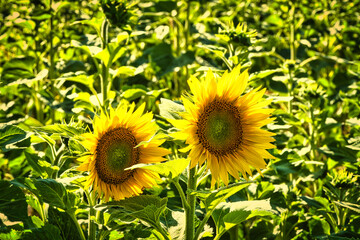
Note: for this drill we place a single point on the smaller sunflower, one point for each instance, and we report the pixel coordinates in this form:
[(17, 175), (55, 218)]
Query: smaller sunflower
[(114, 147), (223, 127)]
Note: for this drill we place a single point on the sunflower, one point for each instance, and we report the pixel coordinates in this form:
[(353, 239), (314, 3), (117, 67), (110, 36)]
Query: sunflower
[(114, 147), (223, 127)]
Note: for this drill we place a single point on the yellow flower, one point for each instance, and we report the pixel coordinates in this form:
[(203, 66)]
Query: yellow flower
[(114, 147), (223, 128)]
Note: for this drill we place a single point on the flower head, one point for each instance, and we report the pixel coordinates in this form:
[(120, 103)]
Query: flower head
[(114, 147), (223, 127)]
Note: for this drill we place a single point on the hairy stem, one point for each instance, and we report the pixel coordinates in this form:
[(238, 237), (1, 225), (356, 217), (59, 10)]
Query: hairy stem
[(191, 199)]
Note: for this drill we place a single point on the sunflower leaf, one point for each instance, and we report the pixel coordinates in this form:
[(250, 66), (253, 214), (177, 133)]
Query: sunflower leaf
[(169, 169), (48, 231), (10, 135), (55, 194), (145, 207), (230, 214), (212, 199), (170, 109), (12, 202), (62, 129)]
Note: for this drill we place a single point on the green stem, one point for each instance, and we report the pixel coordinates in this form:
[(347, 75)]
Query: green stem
[(52, 54), (191, 199), (290, 94), (92, 213), (78, 227), (162, 232), (187, 37), (182, 195), (104, 73), (234, 232), (292, 53), (202, 225)]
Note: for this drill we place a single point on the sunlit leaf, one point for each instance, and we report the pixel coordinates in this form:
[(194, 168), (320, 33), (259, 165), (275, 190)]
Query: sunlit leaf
[(145, 207), (170, 168), (170, 109), (10, 135)]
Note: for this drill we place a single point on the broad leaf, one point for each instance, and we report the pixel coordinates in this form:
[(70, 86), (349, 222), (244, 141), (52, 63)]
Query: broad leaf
[(263, 74), (18, 68), (12, 235), (132, 94), (228, 215), (170, 109), (12, 202), (10, 135), (170, 169), (47, 232), (62, 129), (55, 194), (33, 160), (145, 207), (212, 199), (64, 223)]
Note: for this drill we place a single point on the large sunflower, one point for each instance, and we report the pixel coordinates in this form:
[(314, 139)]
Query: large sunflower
[(222, 126), (114, 146)]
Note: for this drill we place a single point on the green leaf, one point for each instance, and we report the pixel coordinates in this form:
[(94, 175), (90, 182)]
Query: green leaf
[(278, 86), (12, 235), (47, 232), (125, 70), (64, 223), (51, 192), (40, 76), (83, 79), (12, 202), (170, 169), (10, 135), (170, 109), (156, 93), (95, 22), (55, 194), (64, 130), (274, 20), (132, 94), (103, 55), (91, 50), (212, 199), (228, 215), (17, 68), (351, 206), (175, 224), (263, 74), (145, 207), (33, 160)]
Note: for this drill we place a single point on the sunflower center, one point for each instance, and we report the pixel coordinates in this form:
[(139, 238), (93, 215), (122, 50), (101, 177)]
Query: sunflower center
[(114, 152), (219, 127)]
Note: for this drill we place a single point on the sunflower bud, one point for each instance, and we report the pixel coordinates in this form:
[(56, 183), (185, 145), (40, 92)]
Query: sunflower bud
[(120, 13), (343, 179), (238, 36)]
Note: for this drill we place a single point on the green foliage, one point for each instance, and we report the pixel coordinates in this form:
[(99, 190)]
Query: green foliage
[(62, 62), (13, 202)]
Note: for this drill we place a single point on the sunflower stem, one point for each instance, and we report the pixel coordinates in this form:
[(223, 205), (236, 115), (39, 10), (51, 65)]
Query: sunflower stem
[(92, 213), (202, 225), (104, 73), (78, 227), (162, 232), (182, 194), (191, 199)]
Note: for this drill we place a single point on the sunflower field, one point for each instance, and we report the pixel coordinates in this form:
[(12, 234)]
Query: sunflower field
[(179, 119)]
